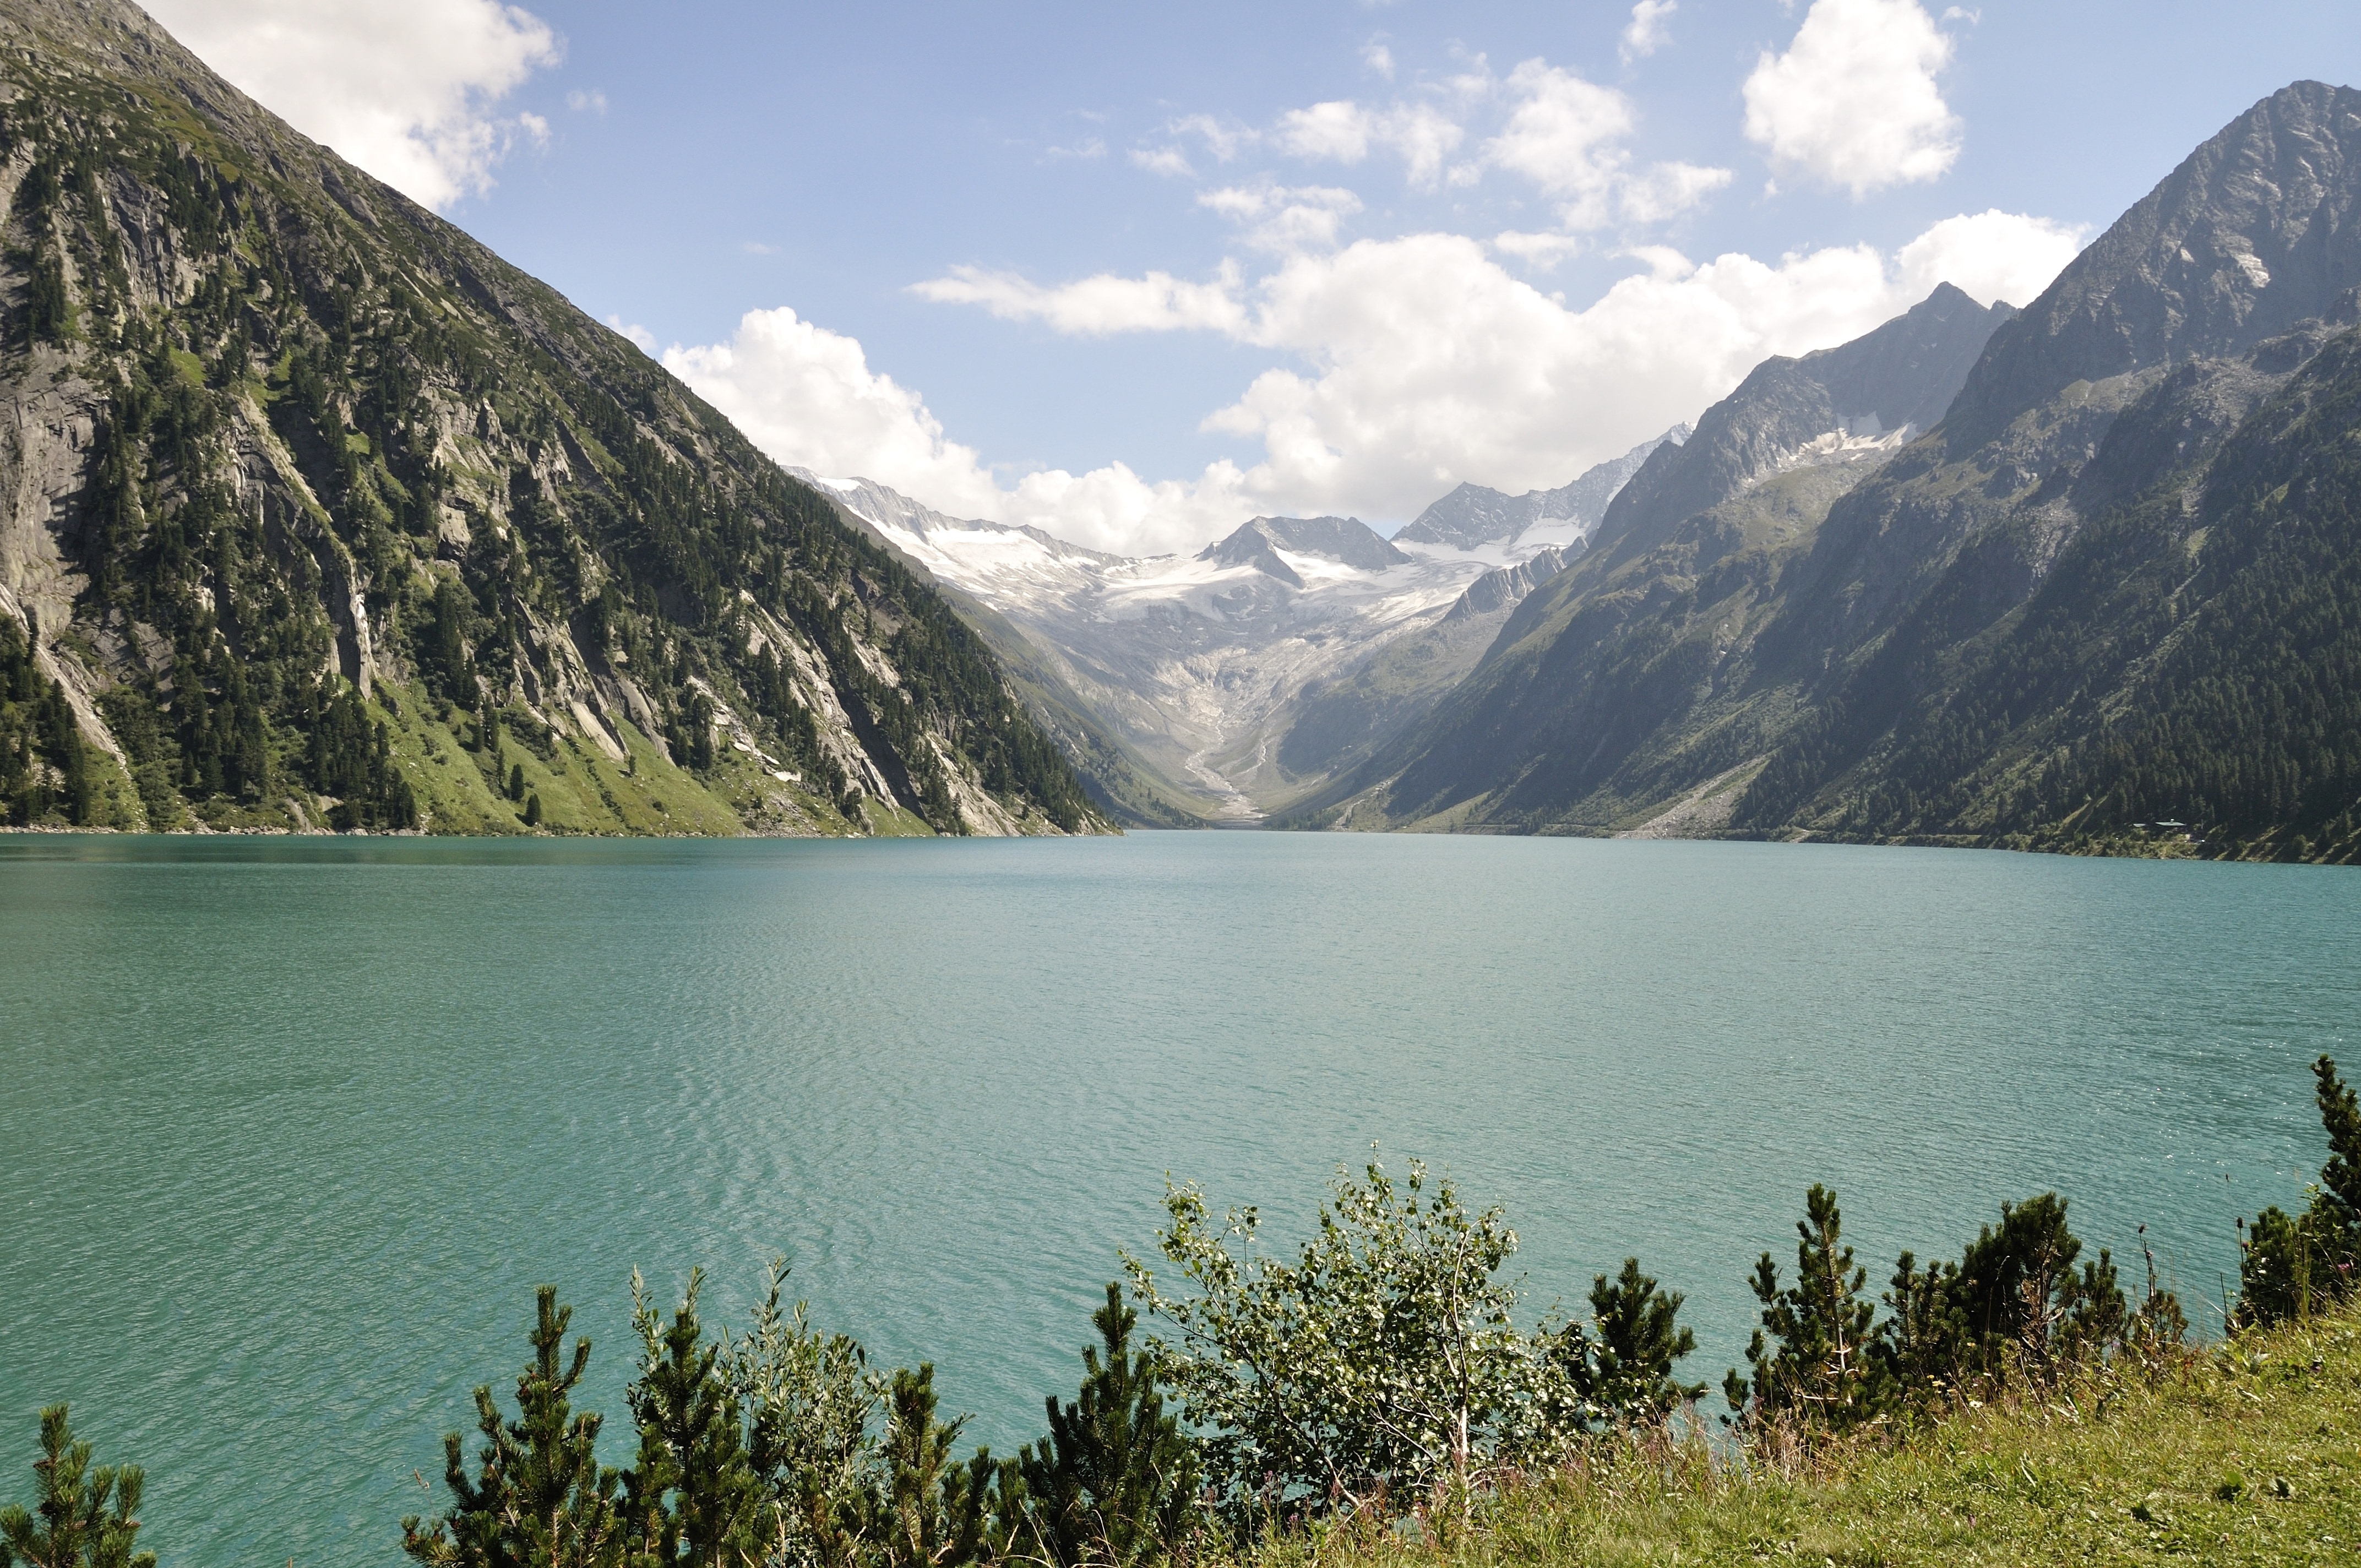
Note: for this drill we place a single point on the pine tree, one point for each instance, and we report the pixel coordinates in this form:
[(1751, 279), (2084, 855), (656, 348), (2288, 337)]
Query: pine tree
[(73, 1525), (539, 1499), (532, 811), (2022, 1303), (1115, 1482), (932, 1513), (1817, 1356), (692, 1496), (516, 782), (2291, 1264), (2340, 1118), (1628, 1368)]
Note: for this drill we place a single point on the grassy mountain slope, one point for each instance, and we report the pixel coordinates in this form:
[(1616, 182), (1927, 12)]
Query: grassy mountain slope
[(2052, 623), (313, 511), (2243, 1456)]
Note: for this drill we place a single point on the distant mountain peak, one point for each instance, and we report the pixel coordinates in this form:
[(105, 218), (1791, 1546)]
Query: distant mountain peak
[(1347, 541), (1476, 515)]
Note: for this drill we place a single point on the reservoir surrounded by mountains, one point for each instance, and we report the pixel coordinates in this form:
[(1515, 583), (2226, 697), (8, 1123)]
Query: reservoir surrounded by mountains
[(515, 789), (296, 1125)]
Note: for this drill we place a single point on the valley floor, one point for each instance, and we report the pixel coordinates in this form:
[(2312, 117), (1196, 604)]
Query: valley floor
[(2249, 1452)]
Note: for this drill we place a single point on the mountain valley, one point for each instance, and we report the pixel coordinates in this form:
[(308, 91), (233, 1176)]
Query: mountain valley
[(1240, 677)]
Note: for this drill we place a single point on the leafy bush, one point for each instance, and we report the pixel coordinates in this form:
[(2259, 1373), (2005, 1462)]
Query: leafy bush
[(1385, 1359)]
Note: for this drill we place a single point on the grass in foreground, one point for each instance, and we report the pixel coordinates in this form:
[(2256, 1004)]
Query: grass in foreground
[(2248, 1453)]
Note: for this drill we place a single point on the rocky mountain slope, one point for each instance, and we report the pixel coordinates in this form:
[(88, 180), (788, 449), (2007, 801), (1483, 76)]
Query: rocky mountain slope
[(313, 512), (2113, 600)]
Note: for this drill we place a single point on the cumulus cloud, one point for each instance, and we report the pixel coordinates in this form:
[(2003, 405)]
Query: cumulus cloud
[(1992, 255), (1169, 161), (1379, 58), (1664, 191), (1415, 364), (1412, 364), (807, 396), (1539, 251), (409, 92), (1567, 136), (1853, 102), (1646, 32)]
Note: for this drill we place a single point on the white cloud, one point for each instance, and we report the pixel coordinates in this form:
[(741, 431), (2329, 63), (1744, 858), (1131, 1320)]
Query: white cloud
[(639, 335), (1992, 255), (1225, 140), (1378, 57), (1098, 306), (1646, 32), (407, 91), (1345, 132), (1284, 218), (807, 396), (1567, 136), (1663, 191), (1412, 364), (1541, 252), (1854, 101), (1088, 148), (1169, 161), (592, 102)]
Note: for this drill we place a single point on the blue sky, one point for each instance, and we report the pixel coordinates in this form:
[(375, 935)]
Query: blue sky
[(1134, 272)]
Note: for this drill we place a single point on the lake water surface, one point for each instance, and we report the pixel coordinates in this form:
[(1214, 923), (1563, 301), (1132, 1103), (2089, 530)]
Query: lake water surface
[(289, 1129)]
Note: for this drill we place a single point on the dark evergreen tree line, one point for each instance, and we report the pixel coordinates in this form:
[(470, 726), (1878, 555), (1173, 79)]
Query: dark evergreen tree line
[(44, 762)]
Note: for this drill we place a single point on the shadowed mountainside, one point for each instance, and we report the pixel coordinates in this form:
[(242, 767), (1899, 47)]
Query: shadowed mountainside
[(2112, 599), (316, 512)]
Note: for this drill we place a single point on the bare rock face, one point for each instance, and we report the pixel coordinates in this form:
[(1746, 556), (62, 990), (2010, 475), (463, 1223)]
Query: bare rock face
[(1896, 380), (2252, 234), (303, 490)]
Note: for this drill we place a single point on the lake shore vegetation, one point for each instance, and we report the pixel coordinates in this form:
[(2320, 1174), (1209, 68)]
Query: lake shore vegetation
[(1372, 1398)]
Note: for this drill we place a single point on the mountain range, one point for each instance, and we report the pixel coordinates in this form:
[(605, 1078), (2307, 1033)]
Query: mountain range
[(1228, 683), (2110, 600), (318, 513)]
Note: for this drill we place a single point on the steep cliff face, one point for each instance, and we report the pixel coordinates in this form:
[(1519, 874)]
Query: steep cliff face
[(2250, 234), (315, 512), (2115, 588)]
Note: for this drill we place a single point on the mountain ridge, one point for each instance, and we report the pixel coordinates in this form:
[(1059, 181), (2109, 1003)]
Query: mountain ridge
[(2123, 594), (1474, 514), (321, 514)]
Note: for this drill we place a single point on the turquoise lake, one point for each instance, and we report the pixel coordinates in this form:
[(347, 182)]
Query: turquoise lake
[(289, 1129)]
